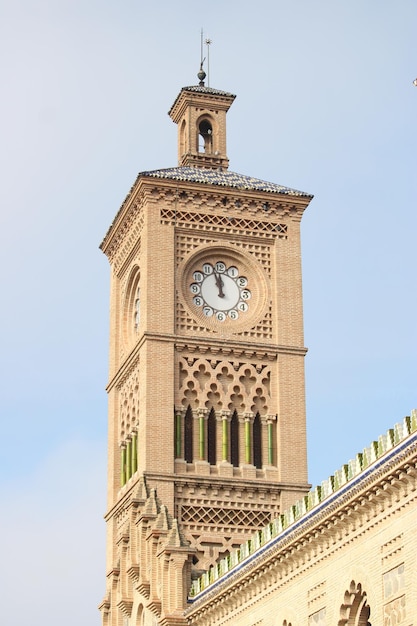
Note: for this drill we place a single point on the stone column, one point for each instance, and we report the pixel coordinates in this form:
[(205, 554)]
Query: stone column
[(123, 479), (134, 451), (201, 464), (129, 457)]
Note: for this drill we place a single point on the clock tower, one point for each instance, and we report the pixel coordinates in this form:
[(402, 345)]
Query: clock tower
[(207, 428)]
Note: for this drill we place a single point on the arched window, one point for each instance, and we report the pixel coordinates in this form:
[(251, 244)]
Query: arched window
[(188, 435), (183, 139), (234, 440), (257, 442), (211, 438)]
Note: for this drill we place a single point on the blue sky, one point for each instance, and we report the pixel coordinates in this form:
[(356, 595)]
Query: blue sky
[(325, 103)]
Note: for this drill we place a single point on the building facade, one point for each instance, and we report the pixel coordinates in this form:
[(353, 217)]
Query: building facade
[(207, 427)]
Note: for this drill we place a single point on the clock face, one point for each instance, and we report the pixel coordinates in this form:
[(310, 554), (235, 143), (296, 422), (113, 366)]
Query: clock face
[(220, 291)]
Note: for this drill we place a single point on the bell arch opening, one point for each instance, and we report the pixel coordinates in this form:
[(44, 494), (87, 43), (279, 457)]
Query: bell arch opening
[(205, 131)]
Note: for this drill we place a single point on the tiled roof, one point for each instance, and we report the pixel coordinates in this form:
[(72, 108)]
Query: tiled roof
[(208, 90), (222, 178)]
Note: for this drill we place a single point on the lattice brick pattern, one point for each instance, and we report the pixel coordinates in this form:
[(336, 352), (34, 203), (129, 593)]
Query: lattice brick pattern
[(185, 323), (218, 385), (127, 238), (222, 518), (223, 224), (188, 243), (129, 405), (263, 330)]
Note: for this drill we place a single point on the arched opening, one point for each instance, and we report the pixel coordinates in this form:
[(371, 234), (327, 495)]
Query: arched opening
[(183, 137), (188, 435), (234, 440), (206, 132), (355, 610), (211, 438), (257, 442)]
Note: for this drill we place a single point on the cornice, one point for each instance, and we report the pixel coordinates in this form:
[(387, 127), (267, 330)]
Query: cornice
[(229, 199), (226, 483), (300, 545), (214, 347)]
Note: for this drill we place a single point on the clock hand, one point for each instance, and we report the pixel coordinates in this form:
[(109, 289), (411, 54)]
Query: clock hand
[(220, 284)]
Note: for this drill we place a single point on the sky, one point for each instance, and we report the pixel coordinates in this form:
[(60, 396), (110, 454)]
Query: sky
[(325, 103)]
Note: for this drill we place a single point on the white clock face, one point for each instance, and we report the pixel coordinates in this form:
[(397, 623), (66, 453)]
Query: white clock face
[(220, 291)]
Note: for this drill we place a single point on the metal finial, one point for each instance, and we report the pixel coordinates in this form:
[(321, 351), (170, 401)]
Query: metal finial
[(201, 74)]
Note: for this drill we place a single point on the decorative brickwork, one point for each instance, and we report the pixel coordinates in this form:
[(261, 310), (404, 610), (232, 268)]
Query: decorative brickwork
[(207, 437), (207, 434), (223, 224), (224, 385)]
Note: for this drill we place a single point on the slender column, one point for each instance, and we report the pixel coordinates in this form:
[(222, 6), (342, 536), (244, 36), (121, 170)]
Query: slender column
[(129, 458), (248, 438), (201, 413), (270, 446), (225, 443), (134, 451), (123, 464), (270, 419), (179, 417), (225, 417)]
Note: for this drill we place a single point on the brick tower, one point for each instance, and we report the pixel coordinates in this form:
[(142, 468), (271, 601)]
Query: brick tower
[(207, 431)]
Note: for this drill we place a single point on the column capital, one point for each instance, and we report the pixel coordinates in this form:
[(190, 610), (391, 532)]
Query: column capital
[(248, 417), (269, 419), (224, 415), (202, 413)]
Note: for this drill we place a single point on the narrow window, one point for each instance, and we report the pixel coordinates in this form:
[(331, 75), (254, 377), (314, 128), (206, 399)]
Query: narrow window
[(211, 438), (188, 436), (234, 440), (257, 442)]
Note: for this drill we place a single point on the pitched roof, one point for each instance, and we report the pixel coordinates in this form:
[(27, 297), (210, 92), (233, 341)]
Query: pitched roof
[(222, 178)]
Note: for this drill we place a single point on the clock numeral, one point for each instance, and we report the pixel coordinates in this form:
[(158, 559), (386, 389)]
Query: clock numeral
[(233, 314), (242, 281), (220, 266), (207, 268), (245, 294), (221, 316), (208, 311), (198, 301), (194, 288), (242, 306), (233, 271), (198, 276)]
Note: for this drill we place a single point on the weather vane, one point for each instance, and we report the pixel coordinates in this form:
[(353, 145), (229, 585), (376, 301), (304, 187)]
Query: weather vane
[(208, 43), (201, 73)]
